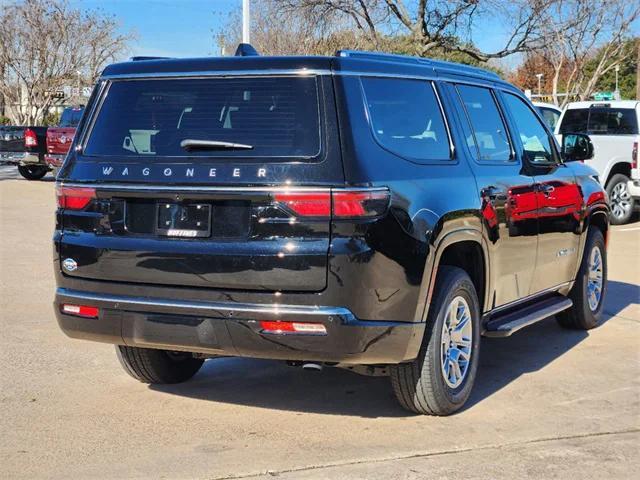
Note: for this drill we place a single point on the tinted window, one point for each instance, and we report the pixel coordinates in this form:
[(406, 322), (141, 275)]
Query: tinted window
[(550, 116), (600, 121), (406, 118), (70, 117), (489, 136), (536, 143), (277, 116)]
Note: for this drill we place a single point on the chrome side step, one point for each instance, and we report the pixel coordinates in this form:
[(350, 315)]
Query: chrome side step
[(506, 324)]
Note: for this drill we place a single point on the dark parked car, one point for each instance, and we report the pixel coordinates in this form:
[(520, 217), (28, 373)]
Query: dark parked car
[(367, 211), (24, 147)]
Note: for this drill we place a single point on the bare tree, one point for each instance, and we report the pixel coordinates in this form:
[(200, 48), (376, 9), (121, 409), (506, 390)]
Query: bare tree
[(436, 24), (585, 40), (45, 44), (279, 30)]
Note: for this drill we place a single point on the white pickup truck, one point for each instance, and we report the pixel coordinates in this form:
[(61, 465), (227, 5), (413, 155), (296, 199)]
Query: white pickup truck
[(613, 128)]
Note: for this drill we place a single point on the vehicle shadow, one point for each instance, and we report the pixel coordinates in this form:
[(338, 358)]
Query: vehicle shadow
[(620, 295), (274, 385), (333, 391)]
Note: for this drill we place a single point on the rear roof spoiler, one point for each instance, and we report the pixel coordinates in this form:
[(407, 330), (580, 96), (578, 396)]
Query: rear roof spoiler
[(141, 58)]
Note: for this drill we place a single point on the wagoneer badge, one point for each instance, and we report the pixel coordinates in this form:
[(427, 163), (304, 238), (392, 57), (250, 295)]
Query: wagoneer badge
[(69, 264)]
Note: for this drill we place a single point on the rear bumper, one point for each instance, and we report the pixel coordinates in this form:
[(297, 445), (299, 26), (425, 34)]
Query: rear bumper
[(634, 188), (19, 158), (225, 328)]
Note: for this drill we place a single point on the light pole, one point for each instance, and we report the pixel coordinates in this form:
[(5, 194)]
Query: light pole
[(246, 16), (539, 77), (78, 82), (617, 70)]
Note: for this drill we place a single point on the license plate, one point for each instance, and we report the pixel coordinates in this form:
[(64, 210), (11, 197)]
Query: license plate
[(184, 220)]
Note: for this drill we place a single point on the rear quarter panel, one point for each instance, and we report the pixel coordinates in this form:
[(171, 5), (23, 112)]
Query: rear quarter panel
[(429, 203)]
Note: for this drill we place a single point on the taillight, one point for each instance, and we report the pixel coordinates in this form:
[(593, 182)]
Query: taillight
[(308, 328), (340, 204), (74, 198), (85, 311), (634, 155), (30, 138), (311, 204), (350, 204)]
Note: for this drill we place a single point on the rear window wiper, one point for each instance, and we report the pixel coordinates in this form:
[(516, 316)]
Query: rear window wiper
[(192, 144)]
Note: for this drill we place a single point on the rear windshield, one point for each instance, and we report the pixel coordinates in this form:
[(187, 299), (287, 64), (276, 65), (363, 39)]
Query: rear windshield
[(243, 117), (70, 117), (600, 121)]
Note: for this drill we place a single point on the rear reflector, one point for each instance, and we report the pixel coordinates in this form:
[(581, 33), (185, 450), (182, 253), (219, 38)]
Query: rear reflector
[(74, 198), (30, 138), (80, 310), (337, 203), (634, 155), (293, 327)]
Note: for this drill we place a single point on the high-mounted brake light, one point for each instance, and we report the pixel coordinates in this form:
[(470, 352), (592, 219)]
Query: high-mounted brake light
[(30, 138), (293, 327), (80, 310), (634, 155), (337, 203), (74, 198)]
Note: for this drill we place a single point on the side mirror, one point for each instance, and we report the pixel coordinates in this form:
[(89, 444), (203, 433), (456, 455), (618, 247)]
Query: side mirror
[(576, 147)]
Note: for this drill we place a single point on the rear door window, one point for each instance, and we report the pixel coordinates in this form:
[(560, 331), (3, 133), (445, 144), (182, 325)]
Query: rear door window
[(406, 118), (488, 135), (241, 117), (600, 121)]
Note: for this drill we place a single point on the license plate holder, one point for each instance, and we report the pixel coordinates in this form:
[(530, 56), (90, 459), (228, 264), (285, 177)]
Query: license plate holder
[(184, 220)]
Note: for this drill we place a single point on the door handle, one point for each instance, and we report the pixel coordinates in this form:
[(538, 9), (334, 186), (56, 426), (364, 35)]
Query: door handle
[(546, 188), (493, 193)]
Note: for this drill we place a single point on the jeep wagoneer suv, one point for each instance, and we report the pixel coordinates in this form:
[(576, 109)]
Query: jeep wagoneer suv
[(368, 211)]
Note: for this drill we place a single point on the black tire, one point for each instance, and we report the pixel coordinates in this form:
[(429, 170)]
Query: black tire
[(420, 385), (581, 316), (157, 366), (33, 172), (621, 201)]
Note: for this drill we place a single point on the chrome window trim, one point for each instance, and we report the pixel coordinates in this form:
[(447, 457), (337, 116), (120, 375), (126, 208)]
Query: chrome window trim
[(216, 188)]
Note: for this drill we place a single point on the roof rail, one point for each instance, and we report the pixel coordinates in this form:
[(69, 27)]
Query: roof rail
[(406, 59), (246, 50), (142, 58)]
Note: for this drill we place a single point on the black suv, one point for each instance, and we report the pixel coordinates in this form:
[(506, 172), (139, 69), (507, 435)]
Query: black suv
[(367, 211)]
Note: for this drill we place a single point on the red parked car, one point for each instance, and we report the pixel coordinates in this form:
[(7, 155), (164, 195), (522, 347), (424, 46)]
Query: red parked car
[(59, 138)]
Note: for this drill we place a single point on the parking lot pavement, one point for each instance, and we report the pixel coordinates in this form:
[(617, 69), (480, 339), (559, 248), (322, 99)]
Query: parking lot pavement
[(548, 402)]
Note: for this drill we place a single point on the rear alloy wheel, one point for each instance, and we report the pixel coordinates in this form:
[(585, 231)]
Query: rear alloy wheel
[(589, 289), (158, 366), (33, 172), (439, 381), (620, 199)]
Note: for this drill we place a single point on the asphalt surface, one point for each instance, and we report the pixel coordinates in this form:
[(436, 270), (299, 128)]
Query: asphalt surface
[(548, 403)]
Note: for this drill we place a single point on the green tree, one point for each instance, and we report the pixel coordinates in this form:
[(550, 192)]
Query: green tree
[(627, 76)]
